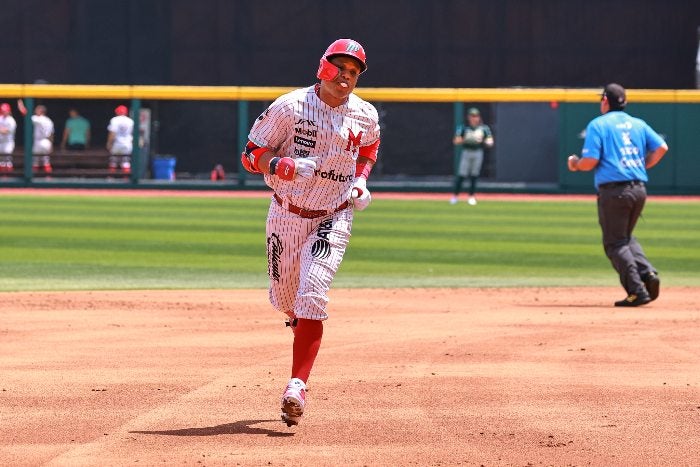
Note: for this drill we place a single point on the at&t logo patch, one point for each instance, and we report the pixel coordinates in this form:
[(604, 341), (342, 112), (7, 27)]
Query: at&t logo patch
[(321, 248)]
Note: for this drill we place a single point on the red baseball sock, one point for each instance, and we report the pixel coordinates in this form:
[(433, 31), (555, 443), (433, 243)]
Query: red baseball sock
[(307, 341)]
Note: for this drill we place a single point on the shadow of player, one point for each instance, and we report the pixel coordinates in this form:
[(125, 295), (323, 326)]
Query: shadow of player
[(243, 427)]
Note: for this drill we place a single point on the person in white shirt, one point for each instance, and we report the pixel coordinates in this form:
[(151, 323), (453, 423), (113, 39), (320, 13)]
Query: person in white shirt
[(120, 140), (43, 137), (8, 126)]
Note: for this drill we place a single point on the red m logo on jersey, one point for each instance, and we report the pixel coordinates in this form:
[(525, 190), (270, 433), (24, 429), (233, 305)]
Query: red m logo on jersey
[(353, 141)]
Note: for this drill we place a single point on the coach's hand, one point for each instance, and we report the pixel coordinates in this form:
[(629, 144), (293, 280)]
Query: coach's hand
[(360, 195), (572, 162), (287, 168)]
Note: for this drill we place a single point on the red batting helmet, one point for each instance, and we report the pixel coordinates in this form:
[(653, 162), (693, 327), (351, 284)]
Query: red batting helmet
[(121, 110), (348, 47)]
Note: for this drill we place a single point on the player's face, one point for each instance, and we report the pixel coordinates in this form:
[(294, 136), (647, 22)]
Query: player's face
[(345, 82)]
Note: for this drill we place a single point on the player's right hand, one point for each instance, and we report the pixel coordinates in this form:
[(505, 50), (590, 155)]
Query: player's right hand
[(306, 166), (287, 168)]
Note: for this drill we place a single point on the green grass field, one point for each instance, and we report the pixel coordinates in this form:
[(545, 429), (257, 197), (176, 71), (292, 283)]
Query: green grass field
[(85, 243)]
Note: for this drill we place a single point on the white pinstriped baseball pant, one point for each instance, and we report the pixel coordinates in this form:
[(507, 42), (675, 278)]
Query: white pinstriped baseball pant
[(303, 258)]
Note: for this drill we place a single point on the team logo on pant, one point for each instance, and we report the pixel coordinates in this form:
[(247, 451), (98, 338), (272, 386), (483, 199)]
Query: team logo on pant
[(274, 255)]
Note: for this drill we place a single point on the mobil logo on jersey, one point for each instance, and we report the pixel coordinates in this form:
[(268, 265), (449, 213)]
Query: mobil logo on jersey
[(354, 141), (306, 133)]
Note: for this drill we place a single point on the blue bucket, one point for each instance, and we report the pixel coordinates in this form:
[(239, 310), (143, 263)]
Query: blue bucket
[(164, 168)]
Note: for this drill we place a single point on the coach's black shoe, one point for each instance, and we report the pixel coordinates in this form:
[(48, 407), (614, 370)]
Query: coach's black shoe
[(653, 285), (634, 300)]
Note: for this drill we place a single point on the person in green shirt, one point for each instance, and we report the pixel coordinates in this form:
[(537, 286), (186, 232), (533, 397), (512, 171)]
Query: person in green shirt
[(76, 134)]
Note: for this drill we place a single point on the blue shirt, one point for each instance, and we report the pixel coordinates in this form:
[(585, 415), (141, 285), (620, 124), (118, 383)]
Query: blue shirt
[(620, 142)]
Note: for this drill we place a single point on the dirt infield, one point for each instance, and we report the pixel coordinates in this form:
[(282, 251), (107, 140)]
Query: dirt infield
[(548, 376)]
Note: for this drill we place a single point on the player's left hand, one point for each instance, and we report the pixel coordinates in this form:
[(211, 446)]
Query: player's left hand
[(360, 195)]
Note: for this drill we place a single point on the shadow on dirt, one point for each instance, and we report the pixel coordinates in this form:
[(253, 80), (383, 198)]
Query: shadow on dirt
[(243, 427)]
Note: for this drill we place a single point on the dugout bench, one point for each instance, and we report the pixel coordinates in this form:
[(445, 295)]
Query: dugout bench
[(89, 163)]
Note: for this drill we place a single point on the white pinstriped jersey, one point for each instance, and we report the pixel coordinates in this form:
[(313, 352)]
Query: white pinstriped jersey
[(43, 127), (43, 131), (123, 129), (7, 123), (299, 124)]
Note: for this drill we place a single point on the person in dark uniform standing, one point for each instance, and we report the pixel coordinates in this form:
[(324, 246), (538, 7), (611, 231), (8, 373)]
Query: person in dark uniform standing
[(473, 136), (620, 148)]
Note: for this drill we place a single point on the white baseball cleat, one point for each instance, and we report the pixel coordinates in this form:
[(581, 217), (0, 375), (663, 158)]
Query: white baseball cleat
[(453, 200), (293, 402), (471, 201)]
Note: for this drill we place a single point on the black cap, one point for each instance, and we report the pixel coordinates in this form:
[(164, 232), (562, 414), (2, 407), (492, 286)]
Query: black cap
[(617, 97)]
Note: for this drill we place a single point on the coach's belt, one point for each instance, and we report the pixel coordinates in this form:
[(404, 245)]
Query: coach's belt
[(625, 183), (305, 213)]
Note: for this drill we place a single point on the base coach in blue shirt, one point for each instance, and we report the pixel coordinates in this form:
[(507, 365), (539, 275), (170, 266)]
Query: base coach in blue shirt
[(620, 148)]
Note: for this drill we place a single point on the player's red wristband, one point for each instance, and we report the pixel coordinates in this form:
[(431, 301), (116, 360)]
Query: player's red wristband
[(283, 167)]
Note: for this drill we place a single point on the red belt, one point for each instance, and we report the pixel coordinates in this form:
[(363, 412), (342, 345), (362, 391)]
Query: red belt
[(305, 213)]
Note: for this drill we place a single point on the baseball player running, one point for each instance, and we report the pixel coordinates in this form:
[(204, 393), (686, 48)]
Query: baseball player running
[(316, 147)]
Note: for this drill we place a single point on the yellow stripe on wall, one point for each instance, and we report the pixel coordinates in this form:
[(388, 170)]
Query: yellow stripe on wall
[(255, 93)]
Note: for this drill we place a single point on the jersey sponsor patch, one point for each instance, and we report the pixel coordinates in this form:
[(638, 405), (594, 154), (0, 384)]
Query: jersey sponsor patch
[(309, 143)]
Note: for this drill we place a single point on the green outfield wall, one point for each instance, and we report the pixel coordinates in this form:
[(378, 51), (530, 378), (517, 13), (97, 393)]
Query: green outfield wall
[(677, 123), (560, 114)]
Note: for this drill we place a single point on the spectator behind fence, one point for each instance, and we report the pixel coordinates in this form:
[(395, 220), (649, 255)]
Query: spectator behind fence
[(120, 140), (8, 126), (76, 133), (43, 137)]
